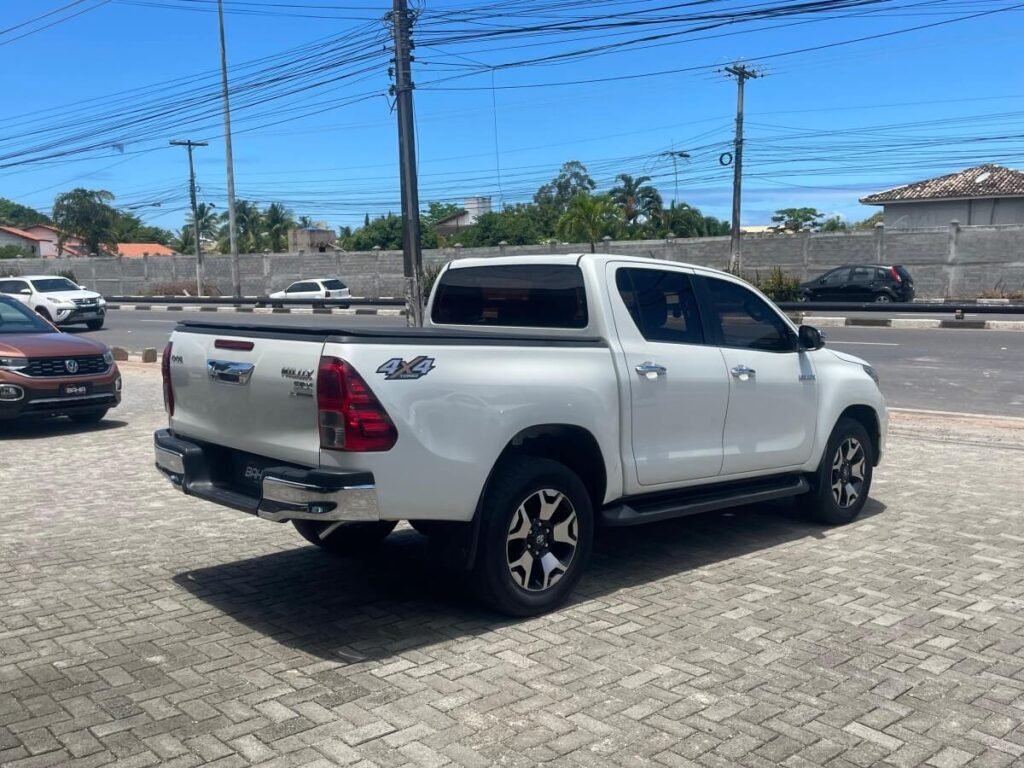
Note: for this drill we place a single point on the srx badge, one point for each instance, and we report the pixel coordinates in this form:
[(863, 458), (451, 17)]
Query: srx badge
[(397, 368)]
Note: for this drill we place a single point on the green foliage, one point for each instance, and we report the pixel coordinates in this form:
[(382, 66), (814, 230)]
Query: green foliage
[(588, 219), (386, 233), (834, 224), (684, 220), (86, 214), (870, 222), (14, 252), (572, 180), (798, 219), (14, 214), (126, 227), (779, 286), (437, 211), (208, 220), (637, 199), (430, 274), (185, 240), (516, 225), (277, 220)]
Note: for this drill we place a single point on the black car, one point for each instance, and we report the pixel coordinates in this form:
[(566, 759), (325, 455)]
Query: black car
[(861, 283)]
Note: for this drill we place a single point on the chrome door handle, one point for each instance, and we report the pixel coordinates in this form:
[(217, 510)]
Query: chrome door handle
[(651, 370), (741, 371), (228, 372)]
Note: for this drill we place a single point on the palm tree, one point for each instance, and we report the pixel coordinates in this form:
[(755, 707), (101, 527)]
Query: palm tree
[(185, 240), (207, 218), (636, 198), (277, 220), (588, 219), (305, 222), (248, 223)]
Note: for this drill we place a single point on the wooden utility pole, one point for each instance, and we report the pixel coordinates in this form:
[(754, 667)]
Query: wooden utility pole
[(412, 254), (742, 73), (236, 277), (195, 207)]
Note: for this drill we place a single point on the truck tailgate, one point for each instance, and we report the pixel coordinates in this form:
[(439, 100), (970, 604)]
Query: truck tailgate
[(260, 399)]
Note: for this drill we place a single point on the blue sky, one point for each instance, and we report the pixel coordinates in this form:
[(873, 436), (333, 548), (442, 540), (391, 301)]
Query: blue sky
[(824, 126)]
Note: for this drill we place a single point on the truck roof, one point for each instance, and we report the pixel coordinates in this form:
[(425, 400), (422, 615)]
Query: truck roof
[(572, 258)]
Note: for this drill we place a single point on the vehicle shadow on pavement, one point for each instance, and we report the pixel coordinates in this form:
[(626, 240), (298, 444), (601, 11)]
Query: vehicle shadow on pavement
[(39, 429), (396, 598)]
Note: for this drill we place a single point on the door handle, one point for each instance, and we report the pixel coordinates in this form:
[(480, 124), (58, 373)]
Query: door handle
[(651, 370), (742, 372), (229, 372)]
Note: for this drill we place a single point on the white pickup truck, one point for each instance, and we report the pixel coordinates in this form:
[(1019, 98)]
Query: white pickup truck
[(548, 396)]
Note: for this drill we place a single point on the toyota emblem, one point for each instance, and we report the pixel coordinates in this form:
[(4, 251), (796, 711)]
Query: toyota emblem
[(71, 366)]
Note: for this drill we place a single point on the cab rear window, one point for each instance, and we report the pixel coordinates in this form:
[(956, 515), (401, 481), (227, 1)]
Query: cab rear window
[(518, 295)]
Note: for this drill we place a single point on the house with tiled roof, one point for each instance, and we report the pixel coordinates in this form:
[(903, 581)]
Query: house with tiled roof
[(985, 194), (138, 250), (20, 238)]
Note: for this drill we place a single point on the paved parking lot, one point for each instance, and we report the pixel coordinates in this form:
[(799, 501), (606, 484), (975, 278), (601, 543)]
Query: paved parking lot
[(138, 627)]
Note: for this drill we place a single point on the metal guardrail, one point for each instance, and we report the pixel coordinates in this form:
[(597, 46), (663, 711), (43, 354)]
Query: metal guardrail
[(835, 306), (256, 301)]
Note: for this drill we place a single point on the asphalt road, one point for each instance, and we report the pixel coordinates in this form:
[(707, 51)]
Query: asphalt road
[(944, 370)]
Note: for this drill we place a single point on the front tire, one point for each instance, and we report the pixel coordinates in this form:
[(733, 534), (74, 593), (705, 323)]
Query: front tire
[(347, 538), (840, 487), (94, 325), (535, 537)]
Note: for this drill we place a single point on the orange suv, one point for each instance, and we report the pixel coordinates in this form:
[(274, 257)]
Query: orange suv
[(44, 372)]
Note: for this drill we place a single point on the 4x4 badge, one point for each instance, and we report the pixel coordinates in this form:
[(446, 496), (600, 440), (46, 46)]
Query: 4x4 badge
[(397, 368)]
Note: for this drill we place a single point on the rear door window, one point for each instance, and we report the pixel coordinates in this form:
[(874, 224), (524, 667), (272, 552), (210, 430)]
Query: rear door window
[(516, 295), (662, 304)]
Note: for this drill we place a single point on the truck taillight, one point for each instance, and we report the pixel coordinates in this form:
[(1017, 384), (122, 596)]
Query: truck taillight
[(351, 417), (165, 371)]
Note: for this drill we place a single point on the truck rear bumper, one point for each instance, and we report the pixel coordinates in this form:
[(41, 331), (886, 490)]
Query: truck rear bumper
[(277, 492)]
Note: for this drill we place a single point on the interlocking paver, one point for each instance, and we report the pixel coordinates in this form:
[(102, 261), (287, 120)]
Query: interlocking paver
[(139, 627)]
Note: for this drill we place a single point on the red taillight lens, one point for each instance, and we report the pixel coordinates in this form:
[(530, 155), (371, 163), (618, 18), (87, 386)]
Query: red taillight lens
[(165, 371), (895, 275), (351, 418)]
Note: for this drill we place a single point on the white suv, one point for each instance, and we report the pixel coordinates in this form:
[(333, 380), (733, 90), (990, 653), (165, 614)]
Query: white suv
[(57, 299)]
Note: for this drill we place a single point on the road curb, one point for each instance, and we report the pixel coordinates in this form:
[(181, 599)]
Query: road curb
[(909, 323), (257, 310)]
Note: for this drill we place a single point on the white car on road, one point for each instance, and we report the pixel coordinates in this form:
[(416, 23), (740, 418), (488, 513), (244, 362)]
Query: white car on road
[(57, 299), (547, 396), (315, 288)]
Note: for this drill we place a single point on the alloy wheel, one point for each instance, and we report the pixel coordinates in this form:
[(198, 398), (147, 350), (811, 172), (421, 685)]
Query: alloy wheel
[(542, 540), (848, 467)]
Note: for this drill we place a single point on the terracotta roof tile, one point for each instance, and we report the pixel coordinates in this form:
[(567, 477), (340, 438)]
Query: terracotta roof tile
[(138, 250), (981, 181), (20, 233)]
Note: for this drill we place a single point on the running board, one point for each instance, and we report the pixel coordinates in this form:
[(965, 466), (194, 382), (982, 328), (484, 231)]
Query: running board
[(640, 509)]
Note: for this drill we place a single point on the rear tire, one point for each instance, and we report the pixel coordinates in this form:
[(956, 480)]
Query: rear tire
[(88, 417), (840, 487), (94, 325), (883, 298), (535, 537), (347, 538)]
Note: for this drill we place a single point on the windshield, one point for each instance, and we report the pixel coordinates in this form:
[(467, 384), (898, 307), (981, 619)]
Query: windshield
[(14, 318), (54, 285)]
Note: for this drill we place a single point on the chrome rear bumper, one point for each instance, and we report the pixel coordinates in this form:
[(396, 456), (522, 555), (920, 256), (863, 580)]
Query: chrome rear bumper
[(283, 493)]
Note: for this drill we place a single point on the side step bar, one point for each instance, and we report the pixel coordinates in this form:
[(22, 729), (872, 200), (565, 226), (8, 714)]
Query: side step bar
[(641, 509)]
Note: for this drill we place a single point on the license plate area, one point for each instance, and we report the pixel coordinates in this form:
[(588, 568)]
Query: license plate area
[(74, 390)]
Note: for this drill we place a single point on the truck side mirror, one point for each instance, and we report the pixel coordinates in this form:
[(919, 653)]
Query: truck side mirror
[(810, 338)]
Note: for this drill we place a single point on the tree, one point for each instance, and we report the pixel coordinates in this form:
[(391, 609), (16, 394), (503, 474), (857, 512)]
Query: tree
[(684, 220), (869, 223), (572, 180), (798, 219), (834, 224), (277, 220), (636, 198), (14, 214), (437, 211), (85, 213), (305, 222), (14, 252), (248, 225), (516, 225), (208, 221), (588, 219), (126, 227), (185, 240)]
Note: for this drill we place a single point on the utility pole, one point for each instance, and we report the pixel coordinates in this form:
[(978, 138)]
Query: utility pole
[(236, 278), (676, 155), (195, 208), (742, 73), (402, 90)]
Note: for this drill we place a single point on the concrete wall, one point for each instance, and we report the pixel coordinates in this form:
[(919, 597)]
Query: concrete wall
[(993, 211), (946, 261)]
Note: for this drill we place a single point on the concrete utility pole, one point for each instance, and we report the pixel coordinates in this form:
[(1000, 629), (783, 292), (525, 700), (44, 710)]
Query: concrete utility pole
[(742, 73), (402, 90), (236, 278), (195, 208)]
